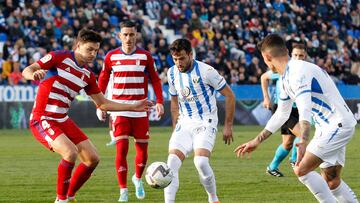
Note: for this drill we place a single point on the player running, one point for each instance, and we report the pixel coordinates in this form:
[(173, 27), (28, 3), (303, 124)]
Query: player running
[(192, 86), (316, 97), (63, 74)]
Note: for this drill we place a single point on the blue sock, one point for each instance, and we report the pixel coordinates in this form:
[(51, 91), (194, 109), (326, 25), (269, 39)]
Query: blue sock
[(280, 155), (294, 150)]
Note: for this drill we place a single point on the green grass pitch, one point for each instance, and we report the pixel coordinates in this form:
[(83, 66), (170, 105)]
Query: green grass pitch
[(28, 171)]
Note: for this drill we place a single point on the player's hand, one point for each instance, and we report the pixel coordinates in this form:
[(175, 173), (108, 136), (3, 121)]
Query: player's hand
[(159, 110), (267, 103), (227, 135), (143, 105), (39, 74), (248, 147), (101, 114), (301, 148)]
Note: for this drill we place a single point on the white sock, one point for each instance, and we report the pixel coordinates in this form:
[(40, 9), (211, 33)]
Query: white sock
[(111, 133), (122, 190), (207, 177), (343, 193), (318, 187), (174, 164)]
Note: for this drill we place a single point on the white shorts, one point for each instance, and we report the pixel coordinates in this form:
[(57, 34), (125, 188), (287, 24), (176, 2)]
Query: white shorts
[(330, 145), (189, 136)]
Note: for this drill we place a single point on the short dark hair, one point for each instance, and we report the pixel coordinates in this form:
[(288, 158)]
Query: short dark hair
[(275, 44), (127, 23), (86, 35), (299, 46), (179, 45)]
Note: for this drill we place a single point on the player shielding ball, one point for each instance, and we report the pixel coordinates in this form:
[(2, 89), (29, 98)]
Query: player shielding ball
[(63, 74), (315, 95), (192, 86)]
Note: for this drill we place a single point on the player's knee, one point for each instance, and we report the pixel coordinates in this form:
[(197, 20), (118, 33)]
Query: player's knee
[(334, 183), (201, 162), (299, 172), (287, 145), (93, 161), (70, 155)]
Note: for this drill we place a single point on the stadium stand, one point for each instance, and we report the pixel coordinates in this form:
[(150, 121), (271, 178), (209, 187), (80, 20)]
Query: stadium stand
[(223, 33)]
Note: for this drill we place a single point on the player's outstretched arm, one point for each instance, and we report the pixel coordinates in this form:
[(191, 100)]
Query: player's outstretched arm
[(264, 87), (108, 105), (229, 114), (250, 146), (33, 72)]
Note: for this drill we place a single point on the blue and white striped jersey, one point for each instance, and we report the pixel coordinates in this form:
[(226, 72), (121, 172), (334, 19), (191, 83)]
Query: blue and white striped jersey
[(315, 94), (196, 90)]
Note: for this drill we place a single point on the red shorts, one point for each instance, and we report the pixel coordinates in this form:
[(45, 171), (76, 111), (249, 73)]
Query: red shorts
[(127, 126), (46, 131)]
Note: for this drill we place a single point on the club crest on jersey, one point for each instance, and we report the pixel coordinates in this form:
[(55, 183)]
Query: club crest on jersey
[(185, 92), (196, 79), (137, 62)]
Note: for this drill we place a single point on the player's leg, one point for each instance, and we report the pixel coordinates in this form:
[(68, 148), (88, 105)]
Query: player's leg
[(111, 134), (86, 152), (180, 145), (204, 141), (342, 192), (121, 127), (328, 149), (89, 158), (141, 137), (281, 152), (52, 137)]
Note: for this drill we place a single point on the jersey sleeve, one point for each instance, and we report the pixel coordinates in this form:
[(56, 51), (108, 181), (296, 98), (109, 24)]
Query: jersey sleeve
[(300, 83), (92, 87), (214, 79), (105, 73), (48, 61), (171, 81), (282, 113), (154, 79)]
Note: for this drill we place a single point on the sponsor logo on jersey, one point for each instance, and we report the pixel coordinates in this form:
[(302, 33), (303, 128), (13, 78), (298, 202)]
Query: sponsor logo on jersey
[(185, 92)]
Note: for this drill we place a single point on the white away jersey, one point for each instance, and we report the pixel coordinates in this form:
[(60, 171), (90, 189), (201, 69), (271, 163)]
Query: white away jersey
[(315, 95), (196, 90)]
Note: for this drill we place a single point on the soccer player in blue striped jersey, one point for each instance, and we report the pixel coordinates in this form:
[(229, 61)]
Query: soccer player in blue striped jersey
[(192, 85), (317, 97)]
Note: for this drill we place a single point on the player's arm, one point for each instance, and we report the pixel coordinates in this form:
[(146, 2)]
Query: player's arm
[(107, 105), (302, 87), (37, 70), (174, 109), (264, 87), (104, 75), (156, 84), (229, 114), (280, 116)]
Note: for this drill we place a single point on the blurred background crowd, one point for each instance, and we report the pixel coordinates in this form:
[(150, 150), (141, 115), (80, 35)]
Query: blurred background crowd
[(223, 33)]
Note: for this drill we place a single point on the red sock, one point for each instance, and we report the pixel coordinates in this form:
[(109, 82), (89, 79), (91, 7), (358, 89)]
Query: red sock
[(64, 174), (81, 175), (122, 148), (141, 158)]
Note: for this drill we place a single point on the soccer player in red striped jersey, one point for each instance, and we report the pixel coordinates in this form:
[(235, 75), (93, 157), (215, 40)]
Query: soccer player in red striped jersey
[(63, 74), (132, 68)]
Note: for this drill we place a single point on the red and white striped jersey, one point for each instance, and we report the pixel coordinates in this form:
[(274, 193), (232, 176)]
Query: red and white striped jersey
[(131, 73), (63, 81)]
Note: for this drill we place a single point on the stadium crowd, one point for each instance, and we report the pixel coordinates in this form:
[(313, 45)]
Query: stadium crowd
[(223, 33)]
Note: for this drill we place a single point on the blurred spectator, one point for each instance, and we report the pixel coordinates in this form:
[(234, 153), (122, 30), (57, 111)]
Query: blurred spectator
[(15, 77)]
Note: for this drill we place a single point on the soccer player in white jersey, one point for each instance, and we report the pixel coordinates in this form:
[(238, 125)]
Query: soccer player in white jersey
[(63, 75), (192, 86), (315, 95)]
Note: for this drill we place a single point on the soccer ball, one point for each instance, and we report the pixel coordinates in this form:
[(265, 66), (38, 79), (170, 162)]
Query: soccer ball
[(158, 175)]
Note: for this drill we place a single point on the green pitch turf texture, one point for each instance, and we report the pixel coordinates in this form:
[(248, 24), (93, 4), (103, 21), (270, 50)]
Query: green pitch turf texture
[(28, 171)]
